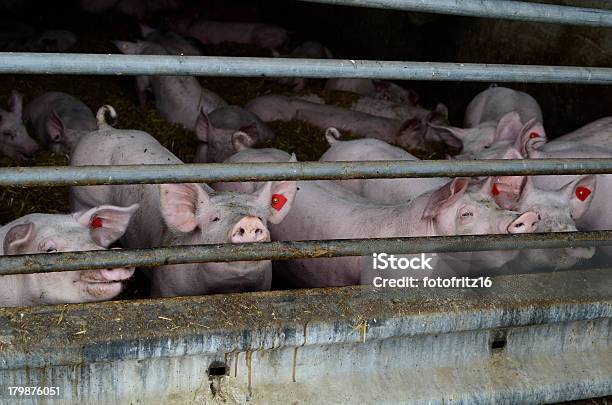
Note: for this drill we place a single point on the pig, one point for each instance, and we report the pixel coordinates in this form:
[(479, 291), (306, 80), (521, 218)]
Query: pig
[(492, 140), (597, 214), (218, 32), (215, 130), (183, 214), (245, 153), (495, 102), (406, 112), (178, 99), (275, 107), (408, 134), (171, 41), (14, 139), (385, 191), (93, 229), (378, 89), (59, 120), (307, 50), (325, 210), (559, 210), (597, 133)]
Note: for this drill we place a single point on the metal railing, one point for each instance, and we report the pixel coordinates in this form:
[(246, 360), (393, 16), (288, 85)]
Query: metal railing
[(111, 64), (230, 172), (229, 252), (501, 9)]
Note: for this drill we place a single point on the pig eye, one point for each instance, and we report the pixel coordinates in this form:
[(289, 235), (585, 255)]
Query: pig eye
[(486, 146), (51, 250), (9, 135), (467, 214), (215, 219)]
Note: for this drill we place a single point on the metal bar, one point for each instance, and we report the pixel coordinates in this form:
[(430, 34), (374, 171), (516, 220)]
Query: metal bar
[(113, 64), (504, 9), (100, 259), (215, 172)]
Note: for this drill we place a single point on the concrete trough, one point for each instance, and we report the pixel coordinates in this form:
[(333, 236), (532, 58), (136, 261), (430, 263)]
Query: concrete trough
[(528, 339)]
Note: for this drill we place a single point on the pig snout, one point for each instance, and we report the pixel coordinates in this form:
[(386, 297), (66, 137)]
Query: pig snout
[(525, 223), (30, 148), (107, 275), (249, 229)]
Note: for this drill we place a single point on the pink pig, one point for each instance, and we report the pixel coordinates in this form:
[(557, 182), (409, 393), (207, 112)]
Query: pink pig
[(178, 99), (378, 89), (14, 139), (59, 120), (93, 229), (322, 209), (183, 214), (386, 191), (218, 32), (215, 132), (492, 140), (493, 103)]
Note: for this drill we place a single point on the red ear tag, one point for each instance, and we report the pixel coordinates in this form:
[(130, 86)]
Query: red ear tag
[(495, 190), (582, 193), (278, 201), (96, 222), (534, 135)]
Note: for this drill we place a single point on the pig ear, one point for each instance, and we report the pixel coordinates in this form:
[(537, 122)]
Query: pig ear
[(18, 237), (508, 127), (15, 103), (129, 48), (458, 133), (439, 113), (447, 195), (106, 223), (55, 127), (202, 127), (531, 135), (580, 193), (507, 190), (242, 140), (279, 196), (180, 204)]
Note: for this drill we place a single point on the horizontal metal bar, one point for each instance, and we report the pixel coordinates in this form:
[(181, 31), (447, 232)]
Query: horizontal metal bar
[(504, 9), (114, 64), (215, 172), (100, 259)]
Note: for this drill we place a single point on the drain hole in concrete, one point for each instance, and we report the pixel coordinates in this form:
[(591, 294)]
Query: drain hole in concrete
[(498, 344), (217, 369)]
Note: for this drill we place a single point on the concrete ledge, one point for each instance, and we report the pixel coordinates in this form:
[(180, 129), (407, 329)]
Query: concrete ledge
[(527, 339)]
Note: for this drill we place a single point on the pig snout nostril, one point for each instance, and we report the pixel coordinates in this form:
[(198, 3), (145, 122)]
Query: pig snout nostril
[(241, 231), (519, 225)]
